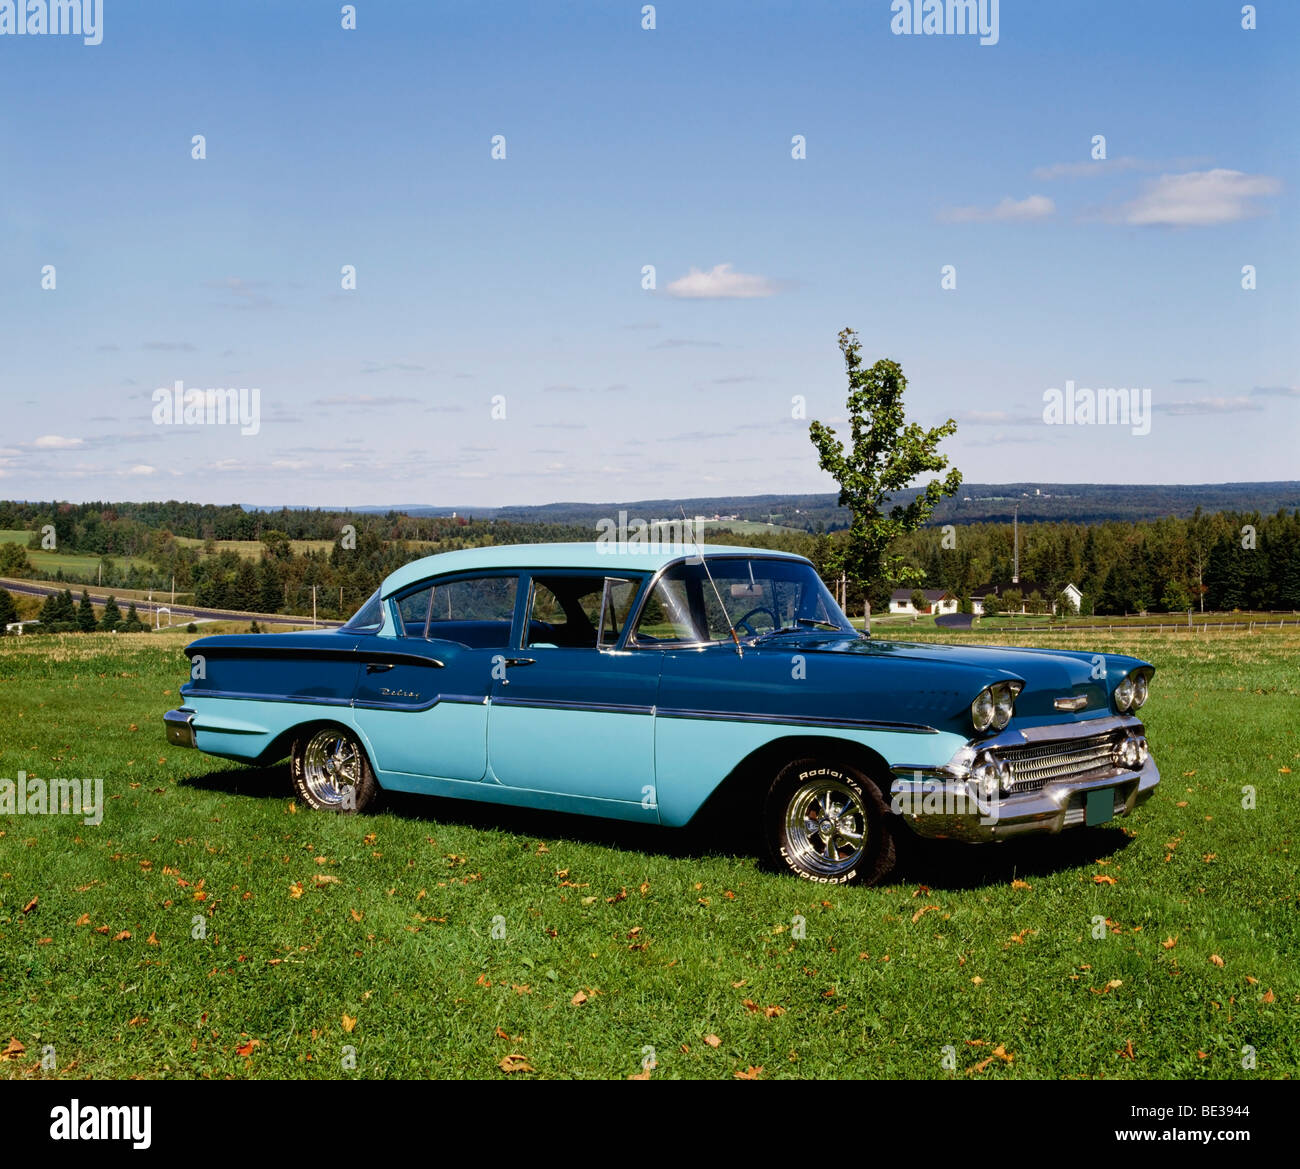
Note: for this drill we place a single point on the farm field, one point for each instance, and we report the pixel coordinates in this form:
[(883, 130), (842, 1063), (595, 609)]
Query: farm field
[(50, 562), (212, 927), (252, 549)]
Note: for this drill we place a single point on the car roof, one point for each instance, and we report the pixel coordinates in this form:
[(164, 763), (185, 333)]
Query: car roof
[(593, 555)]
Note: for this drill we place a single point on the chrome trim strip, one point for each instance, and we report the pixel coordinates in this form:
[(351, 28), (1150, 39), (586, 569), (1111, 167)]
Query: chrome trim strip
[(309, 700), (562, 704), (799, 721), (294, 652)]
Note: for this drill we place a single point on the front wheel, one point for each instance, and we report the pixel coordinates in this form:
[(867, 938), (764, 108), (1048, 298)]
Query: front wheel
[(331, 772), (829, 823)]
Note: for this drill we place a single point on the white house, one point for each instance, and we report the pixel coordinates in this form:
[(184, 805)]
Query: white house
[(937, 601), (1024, 587)]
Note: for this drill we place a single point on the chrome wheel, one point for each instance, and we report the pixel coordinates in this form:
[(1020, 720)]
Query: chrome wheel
[(332, 769), (826, 827)]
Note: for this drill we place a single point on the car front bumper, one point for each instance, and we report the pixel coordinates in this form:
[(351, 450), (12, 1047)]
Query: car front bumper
[(947, 804)]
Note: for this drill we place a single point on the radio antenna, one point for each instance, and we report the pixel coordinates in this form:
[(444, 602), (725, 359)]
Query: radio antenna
[(704, 561)]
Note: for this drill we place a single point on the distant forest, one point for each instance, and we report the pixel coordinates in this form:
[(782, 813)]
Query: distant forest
[(1234, 558)]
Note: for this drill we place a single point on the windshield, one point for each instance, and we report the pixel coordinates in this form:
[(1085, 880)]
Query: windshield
[(758, 596)]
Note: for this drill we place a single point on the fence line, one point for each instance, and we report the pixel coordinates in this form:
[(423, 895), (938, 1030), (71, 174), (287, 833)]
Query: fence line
[(1167, 626)]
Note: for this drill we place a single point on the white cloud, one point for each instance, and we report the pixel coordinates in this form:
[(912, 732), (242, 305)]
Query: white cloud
[(1199, 199), (721, 283), (56, 442), (1209, 406), (1007, 211), (141, 469)]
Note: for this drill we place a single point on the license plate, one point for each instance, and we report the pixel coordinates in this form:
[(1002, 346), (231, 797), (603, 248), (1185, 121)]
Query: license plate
[(1100, 807)]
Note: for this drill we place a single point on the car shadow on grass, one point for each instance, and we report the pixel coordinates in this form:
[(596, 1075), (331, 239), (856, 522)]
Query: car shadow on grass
[(710, 836), (952, 866), (722, 830)]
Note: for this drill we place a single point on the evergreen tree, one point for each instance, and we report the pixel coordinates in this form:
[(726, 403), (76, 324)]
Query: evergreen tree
[(8, 610), (270, 590), (112, 616), (50, 609), (133, 622), (86, 613)]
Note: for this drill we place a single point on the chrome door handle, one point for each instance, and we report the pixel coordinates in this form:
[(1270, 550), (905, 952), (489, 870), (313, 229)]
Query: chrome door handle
[(520, 661), (378, 667)]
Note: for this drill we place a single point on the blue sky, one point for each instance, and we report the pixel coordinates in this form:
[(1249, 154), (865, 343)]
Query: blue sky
[(521, 278)]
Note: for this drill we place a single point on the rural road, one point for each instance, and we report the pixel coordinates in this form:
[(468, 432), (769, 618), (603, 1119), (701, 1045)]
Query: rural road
[(151, 607)]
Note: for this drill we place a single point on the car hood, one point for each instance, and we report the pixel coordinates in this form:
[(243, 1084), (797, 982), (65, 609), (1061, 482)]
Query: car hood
[(1047, 674)]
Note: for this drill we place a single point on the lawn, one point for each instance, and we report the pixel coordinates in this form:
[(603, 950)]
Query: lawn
[(211, 926)]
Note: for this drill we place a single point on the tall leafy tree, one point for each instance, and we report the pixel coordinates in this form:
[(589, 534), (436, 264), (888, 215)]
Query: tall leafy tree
[(886, 454)]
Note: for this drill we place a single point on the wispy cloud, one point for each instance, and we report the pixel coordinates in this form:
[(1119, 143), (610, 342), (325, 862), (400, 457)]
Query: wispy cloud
[(171, 346), (721, 283), (1103, 167), (1007, 211), (1237, 405), (1199, 199), (685, 343), (1276, 391), (366, 400)]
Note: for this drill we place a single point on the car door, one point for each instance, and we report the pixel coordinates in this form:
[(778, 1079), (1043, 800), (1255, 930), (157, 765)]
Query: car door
[(421, 697), (571, 713)]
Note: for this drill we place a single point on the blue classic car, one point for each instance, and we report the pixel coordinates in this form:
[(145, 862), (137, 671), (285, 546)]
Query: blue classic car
[(636, 684)]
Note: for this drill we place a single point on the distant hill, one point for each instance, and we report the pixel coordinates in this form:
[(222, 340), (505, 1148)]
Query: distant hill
[(975, 503)]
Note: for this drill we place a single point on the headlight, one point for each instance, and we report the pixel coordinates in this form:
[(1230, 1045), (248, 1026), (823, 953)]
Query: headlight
[(994, 705), (1141, 687), (1004, 699), (1124, 693)]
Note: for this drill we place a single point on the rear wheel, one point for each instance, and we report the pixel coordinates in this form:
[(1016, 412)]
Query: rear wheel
[(828, 823), (331, 772)]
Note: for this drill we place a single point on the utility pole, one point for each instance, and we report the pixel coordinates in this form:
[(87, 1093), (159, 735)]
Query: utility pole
[(1015, 545)]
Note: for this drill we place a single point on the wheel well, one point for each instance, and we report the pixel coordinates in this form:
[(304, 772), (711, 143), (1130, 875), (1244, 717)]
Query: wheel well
[(282, 744), (758, 768)]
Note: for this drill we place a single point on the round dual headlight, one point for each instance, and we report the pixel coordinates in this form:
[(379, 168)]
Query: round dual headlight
[(1141, 688), (1124, 693), (994, 706)]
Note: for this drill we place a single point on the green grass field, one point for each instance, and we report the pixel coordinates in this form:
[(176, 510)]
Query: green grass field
[(50, 562), (211, 927)]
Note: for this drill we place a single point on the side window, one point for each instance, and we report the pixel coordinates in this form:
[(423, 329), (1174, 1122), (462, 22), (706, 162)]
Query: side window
[(566, 611), (477, 612), (369, 617), (667, 613), (413, 612)]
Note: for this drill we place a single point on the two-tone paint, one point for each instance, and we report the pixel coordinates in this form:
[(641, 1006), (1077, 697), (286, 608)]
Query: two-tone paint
[(647, 732)]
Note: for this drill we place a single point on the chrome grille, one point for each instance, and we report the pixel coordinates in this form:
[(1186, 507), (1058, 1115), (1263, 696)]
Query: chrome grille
[(1032, 767)]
